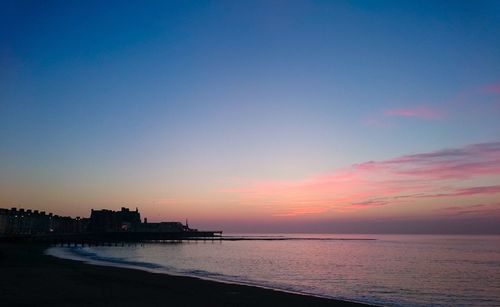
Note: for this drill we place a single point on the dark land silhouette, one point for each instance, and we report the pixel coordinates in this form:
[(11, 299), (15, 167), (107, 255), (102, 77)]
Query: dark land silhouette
[(103, 226), (29, 277)]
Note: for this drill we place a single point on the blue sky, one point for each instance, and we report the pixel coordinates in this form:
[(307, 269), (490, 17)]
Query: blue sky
[(104, 103)]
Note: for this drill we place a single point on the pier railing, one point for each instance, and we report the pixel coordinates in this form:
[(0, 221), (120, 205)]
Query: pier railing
[(98, 238)]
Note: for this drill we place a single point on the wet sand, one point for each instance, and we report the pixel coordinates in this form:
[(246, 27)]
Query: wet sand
[(30, 278)]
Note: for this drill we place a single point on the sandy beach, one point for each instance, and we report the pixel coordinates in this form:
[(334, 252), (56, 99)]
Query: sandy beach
[(30, 278)]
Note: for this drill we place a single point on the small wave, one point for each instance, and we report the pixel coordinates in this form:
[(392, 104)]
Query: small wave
[(80, 253)]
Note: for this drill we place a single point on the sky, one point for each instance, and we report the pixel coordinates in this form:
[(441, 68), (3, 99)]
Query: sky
[(255, 116)]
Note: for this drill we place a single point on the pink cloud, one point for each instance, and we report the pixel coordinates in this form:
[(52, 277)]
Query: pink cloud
[(470, 102), (422, 112), (402, 180), (470, 161), (491, 88), (492, 209), (453, 192), (370, 203), (493, 189)]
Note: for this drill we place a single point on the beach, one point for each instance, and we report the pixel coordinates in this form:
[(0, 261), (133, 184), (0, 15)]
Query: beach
[(28, 277)]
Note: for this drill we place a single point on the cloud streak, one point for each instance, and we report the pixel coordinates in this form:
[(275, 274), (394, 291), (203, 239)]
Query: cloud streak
[(471, 101), (491, 88), (407, 180), (479, 210), (470, 161), (422, 112)]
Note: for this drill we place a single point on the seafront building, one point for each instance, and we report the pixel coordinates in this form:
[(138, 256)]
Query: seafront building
[(31, 222), (126, 220), (112, 221)]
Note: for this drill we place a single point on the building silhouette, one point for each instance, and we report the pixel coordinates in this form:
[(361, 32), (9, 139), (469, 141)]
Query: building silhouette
[(33, 222), (113, 221)]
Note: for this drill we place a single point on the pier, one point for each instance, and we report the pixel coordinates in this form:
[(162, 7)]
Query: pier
[(114, 237)]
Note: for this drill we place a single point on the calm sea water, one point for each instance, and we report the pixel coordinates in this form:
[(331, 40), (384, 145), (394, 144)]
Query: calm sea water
[(392, 270)]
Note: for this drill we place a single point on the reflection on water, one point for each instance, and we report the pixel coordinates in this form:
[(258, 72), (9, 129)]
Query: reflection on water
[(391, 270)]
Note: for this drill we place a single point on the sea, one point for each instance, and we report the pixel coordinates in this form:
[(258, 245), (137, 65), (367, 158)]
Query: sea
[(384, 270)]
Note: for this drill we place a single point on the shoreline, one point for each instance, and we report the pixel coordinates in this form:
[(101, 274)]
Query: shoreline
[(30, 277), (155, 271)]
